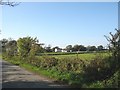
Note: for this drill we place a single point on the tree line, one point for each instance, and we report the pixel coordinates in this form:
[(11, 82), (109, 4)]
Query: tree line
[(75, 48), (26, 45), (23, 46), (102, 71)]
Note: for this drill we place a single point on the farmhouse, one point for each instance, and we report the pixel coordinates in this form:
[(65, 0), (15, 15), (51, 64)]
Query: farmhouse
[(60, 50), (64, 50)]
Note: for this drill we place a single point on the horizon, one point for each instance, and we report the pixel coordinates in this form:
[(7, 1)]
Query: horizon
[(44, 45), (61, 24)]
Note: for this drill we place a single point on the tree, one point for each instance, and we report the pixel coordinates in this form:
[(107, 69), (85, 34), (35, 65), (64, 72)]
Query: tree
[(35, 48), (48, 48), (82, 48), (69, 48), (76, 48), (100, 47), (26, 46), (3, 44), (91, 48), (9, 3), (11, 48), (114, 45), (79, 48), (41, 49)]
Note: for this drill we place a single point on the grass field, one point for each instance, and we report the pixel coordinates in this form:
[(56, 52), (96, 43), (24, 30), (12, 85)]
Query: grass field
[(83, 56)]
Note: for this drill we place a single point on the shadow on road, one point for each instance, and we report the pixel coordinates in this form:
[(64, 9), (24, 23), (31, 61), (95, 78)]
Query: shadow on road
[(16, 77), (28, 84)]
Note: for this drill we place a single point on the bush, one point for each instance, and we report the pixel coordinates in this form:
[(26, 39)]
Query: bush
[(70, 65), (45, 62), (100, 68), (112, 82)]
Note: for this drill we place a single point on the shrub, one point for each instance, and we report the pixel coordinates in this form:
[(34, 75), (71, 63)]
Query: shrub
[(111, 82), (100, 68), (70, 65)]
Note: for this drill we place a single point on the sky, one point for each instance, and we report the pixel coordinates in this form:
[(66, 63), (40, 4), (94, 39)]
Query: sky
[(61, 23)]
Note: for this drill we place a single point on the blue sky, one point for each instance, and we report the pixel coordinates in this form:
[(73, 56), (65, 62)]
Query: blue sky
[(61, 24)]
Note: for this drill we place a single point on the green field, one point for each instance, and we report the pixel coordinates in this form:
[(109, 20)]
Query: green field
[(80, 56), (83, 56)]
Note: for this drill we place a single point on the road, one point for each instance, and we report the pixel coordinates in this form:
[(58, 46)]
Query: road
[(16, 77)]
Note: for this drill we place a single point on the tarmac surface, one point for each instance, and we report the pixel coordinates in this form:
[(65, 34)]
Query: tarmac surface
[(16, 77)]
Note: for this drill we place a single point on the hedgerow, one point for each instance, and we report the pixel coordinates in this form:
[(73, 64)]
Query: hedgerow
[(99, 72)]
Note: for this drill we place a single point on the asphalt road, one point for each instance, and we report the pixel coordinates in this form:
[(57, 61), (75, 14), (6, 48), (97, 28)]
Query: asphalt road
[(16, 77)]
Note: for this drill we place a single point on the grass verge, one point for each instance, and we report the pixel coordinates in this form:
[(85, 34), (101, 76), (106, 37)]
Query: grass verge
[(67, 77), (48, 73)]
